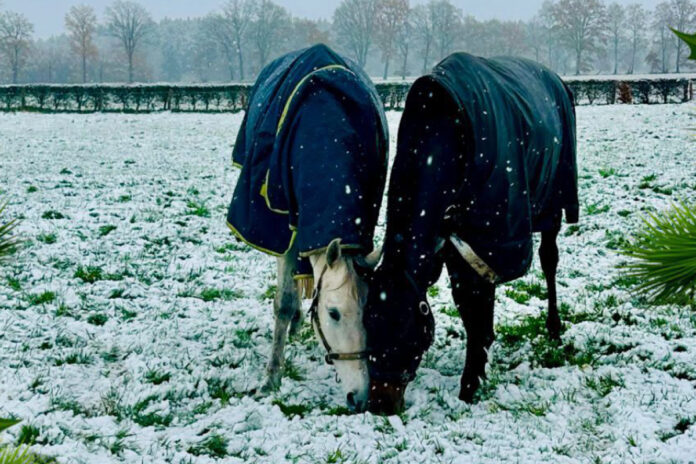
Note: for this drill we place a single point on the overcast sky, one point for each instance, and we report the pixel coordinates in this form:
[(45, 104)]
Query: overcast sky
[(47, 15)]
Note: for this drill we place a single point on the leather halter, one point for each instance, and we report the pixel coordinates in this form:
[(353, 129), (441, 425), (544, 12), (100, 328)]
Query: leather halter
[(331, 355)]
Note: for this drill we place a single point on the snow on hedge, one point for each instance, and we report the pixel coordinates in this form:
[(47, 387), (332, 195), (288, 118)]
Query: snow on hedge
[(133, 324)]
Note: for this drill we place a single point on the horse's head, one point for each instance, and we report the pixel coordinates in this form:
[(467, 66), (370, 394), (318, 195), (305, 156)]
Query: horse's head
[(399, 327), (337, 318)]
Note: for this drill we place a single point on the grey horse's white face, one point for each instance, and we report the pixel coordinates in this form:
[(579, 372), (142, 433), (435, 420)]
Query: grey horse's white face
[(342, 297)]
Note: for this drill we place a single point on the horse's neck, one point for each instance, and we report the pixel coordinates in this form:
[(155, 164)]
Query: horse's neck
[(415, 225)]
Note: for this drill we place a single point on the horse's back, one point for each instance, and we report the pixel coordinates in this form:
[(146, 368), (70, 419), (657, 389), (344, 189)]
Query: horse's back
[(516, 169)]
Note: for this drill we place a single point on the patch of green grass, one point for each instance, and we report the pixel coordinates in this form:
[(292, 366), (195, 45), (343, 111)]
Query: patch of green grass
[(434, 291), (270, 292), (28, 435), (214, 446), (221, 389), (52, 215), (616, 240), (32, 189), (529, 328), (293, 371), (604, 384), (64, 403), (213, 294), (156, 377), (106, 230), (124, 198), (89, 274), (197, 209), (594, 209), (518, 296), (112, 355), (41, 298), (14, 284), (48, 239), (98, 319), (450, 311), (75, 358), (624, 213), (148, 419), (607, 172), (662, 190), (571, 230), (292, 410)]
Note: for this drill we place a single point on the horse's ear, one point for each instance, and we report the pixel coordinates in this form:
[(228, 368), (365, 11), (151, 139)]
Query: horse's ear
[(333, 252)]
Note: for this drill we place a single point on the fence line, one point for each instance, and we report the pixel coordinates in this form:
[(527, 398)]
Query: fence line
[(234, 98)]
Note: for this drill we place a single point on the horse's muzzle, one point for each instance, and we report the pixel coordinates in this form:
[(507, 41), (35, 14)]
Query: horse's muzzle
[(387, 398)]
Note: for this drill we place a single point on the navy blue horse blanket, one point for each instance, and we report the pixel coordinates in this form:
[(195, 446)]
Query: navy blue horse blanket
[(487, 151), (313, 152)]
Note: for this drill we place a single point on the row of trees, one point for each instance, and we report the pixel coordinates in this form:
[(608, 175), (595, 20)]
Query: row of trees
[(388, 37)]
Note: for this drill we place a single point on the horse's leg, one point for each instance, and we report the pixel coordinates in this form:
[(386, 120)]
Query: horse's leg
[(286, 306), (475, 299), (548, 252)]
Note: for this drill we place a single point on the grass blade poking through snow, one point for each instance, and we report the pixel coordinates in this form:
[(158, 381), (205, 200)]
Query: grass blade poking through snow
[(664, 256)]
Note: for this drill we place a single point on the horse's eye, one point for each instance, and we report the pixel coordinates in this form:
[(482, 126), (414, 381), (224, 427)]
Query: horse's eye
[(335, 314)]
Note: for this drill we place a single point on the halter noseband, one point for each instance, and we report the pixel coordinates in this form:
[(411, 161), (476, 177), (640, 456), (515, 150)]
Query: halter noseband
[(331, 356)]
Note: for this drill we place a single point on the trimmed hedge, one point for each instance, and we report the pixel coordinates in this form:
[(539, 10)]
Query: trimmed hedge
[(233, 98)]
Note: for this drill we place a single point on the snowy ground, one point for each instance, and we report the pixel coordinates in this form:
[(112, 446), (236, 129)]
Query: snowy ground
[(132, 324)]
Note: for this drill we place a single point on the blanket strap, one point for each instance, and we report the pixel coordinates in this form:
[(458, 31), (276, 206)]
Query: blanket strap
[(470, 256)]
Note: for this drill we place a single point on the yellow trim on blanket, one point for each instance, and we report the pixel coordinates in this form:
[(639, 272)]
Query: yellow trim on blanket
[(304, 276), (259, 248), (283, 117), (237, 165), (292, 96), (264, 194)]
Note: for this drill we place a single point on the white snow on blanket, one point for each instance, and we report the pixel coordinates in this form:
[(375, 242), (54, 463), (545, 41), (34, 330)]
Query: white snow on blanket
[(146, 355)]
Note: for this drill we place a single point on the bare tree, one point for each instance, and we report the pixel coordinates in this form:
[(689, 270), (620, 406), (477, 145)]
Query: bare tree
[(355, 22), (446, 20), (659, 57), (616, 16), (15, 40), (581, 25), (404, 40), (130, 23), (238, 15), (81, 22), (391, 15), (270, 23), (423, 29), (636, 21), (683, 17), (536, 37)]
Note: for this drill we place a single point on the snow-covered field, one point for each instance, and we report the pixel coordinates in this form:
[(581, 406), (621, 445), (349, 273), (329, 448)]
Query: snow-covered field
[(132, 324)]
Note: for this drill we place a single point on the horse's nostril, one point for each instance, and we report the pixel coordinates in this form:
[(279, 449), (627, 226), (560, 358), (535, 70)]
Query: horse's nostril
[(351, 399)]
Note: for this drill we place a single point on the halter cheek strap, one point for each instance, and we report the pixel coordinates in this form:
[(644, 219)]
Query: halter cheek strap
[(331, 355)]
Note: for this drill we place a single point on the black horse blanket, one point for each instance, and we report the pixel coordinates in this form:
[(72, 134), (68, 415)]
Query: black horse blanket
[(487, 151), (313, 152)]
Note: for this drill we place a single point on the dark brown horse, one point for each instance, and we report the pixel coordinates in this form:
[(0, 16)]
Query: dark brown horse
[(486, 158)]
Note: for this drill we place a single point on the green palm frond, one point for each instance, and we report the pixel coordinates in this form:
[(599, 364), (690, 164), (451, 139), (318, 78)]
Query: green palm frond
[(664, 255), (11, 455), (7, 423), (20, 455), (8, 242)]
